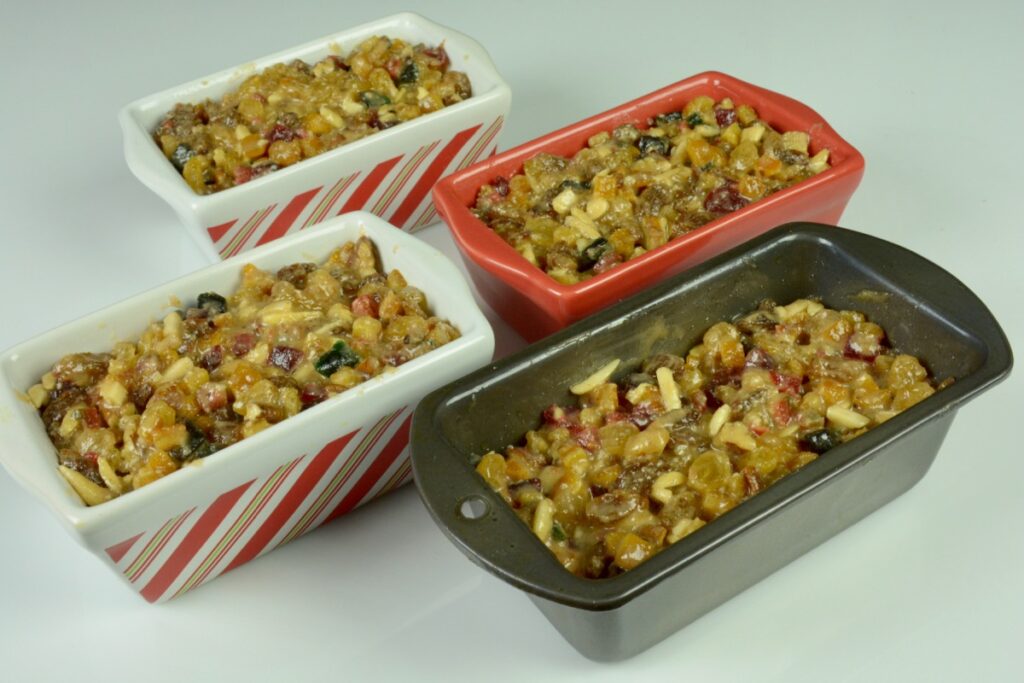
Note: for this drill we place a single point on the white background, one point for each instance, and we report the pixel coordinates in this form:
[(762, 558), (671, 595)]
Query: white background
[(928, 588)]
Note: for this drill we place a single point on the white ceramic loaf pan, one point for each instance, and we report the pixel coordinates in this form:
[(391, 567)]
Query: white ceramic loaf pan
[(389, 173), (263, 491)]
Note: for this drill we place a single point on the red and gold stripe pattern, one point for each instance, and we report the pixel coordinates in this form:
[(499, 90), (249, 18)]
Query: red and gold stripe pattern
[(396, 189), (255, 517)]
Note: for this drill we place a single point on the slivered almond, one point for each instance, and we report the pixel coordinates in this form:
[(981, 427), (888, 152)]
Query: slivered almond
[(844, 417), (90, 492), (719, 418), (683, 528), (669, 389), (737, 434), (599, 377), (109, 476)]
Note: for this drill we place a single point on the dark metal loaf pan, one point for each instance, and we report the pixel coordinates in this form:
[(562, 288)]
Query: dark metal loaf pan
[(924, 309)]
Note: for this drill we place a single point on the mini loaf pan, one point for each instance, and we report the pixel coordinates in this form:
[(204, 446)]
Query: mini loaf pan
[(189, 527), (926, 312), (389, 173), (536, 305)]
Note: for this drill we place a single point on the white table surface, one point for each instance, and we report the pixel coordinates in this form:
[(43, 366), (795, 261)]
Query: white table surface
[(928, 588)]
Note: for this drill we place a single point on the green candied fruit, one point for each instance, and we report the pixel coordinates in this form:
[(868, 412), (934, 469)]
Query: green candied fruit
[(668, 117), (339, 355), (593, 252), (410, 73), (374, 99), (649, 144), (211, 302)]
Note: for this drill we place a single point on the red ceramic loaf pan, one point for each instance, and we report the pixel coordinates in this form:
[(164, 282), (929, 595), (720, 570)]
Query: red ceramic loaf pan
[(536, 305)]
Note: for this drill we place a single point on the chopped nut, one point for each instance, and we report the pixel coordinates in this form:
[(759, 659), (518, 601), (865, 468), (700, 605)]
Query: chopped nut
[(651, 441), (719, 418), (845, 417), (259, 354), (543, 519), (333, 117), (113, 392), (177, 370), (669, 389), (69, 424), (38, 395), (684, 528), (90, 492), (352, 107), (287, 317), (819, 162), (707, 131), (796, 140), (599, 377), (753, 133), (109, 476), (641, 393), (793, 310), (564, 201), (597, 207), (528, 254), (366, 328), (172, 326), (737, 434), (581, 222)]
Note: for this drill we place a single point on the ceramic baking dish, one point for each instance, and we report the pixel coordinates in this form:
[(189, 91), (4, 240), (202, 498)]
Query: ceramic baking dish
[(388, 173), (925, 311), (189, 527), (537, 305)]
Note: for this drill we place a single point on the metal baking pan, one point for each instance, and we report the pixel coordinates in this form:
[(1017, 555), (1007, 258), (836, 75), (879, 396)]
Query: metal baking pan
[(925, 311)]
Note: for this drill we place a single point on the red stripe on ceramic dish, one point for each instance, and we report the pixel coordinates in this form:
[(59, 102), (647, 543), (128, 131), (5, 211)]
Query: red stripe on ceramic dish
[(287, 217), (431, 174), (117, 551), (369, 184), (150, 544), (474, 153), (291, 501), (355, 458), (217, 231), (240, 240), (402, 178), (238, 527), (196, 538), (387, 456), (330, 198), (401, 477), (154, 550), (227, 239)]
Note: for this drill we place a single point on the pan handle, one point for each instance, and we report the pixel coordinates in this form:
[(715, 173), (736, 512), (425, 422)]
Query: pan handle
[(477, 519)]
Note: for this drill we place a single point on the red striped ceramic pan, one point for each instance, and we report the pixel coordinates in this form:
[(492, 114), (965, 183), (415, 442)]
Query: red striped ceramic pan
[(243, 501), (389, 174)]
